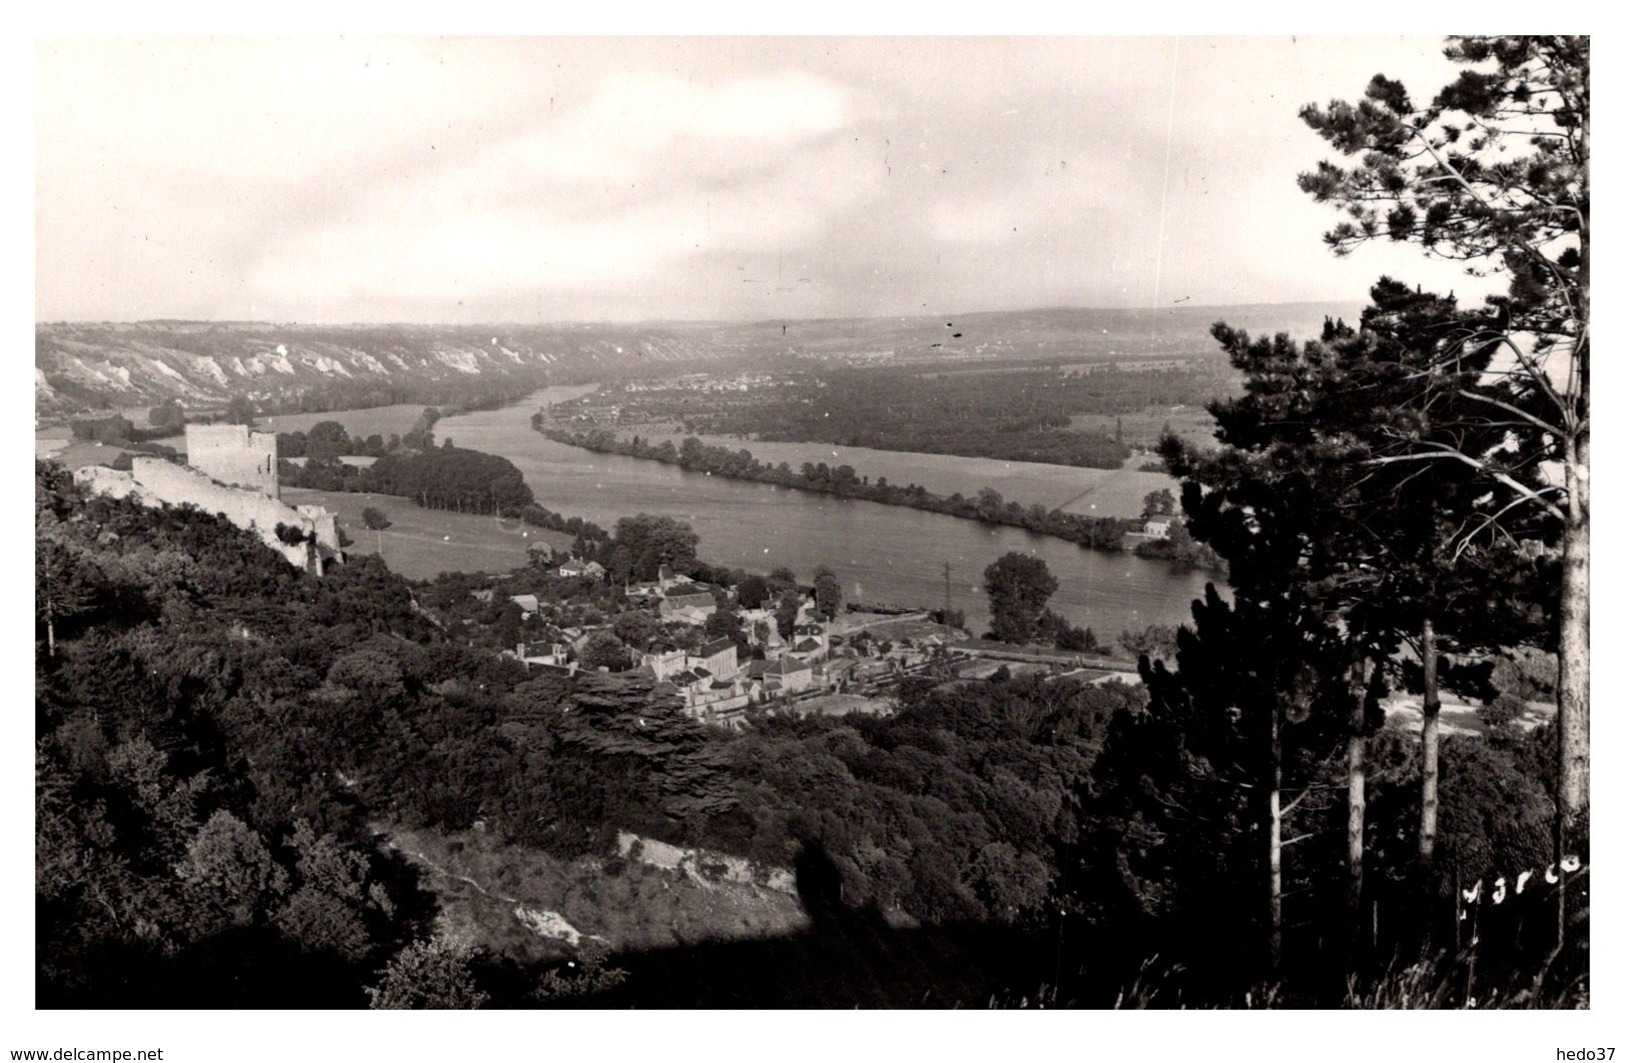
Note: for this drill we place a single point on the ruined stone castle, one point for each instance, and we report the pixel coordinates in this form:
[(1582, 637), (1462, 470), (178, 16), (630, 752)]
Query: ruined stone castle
[(233, 472), (230, 454)]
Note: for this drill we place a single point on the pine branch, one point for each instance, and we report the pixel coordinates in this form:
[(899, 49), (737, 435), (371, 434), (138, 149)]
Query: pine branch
[(1514, 410), (1444, 452)]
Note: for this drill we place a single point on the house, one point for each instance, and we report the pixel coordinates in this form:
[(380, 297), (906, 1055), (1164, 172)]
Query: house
[(721, 656), (578, 637), (686, 678), (528, 603), (574, 568), (1157, 529), (834, 674), (786, 676), (669, 578), (751, 619), (709, 700), (688, 608), (810, 641), (539, 652), (546, 656), (716, 660), (719, 702), (665, 661), (807, 650)]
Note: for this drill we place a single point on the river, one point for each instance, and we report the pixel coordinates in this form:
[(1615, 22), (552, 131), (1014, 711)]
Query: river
[(883, 554), (887, 554)]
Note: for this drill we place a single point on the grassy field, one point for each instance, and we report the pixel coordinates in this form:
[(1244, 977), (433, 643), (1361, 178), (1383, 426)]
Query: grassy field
[(1096, 492), (71, 455), (881, 628), (1143, 429), (374, 420), (422, 543)]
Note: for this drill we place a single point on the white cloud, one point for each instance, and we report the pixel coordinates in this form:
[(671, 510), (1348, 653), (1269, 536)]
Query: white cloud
[(336, 178), (500, 222)]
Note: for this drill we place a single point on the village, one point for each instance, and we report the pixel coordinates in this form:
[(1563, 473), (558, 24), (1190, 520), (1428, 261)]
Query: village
[(723, 662)]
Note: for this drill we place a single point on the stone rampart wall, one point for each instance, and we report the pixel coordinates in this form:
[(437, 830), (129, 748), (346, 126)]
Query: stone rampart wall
[(154, 481)]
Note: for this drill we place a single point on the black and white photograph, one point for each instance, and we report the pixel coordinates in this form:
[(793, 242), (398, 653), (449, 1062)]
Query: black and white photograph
[(699, 523)]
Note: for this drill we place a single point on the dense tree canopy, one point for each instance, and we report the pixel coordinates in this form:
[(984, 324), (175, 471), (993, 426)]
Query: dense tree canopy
[(1018, 588), (827, 589), (644, 543)]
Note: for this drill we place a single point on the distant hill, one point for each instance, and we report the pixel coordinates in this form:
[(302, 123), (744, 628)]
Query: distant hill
[(202, 365)]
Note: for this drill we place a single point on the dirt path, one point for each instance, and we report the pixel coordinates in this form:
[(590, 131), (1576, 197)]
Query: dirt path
[(437, 869)]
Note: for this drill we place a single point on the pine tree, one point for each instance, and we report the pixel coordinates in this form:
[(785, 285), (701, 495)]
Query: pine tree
[(1266, 502), (1193, 796), (1303, 501), (1495, 172)]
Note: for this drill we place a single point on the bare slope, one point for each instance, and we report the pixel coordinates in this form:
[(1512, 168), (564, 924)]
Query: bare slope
[(203, 364)]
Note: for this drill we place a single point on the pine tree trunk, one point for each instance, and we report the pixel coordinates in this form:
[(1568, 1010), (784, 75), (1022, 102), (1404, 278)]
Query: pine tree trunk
[(1573, 667), (1574, 642), (1430, 744), (1275, 838), (1356, 797)]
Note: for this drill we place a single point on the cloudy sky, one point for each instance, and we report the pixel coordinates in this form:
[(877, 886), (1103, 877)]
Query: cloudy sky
[(525, 179)]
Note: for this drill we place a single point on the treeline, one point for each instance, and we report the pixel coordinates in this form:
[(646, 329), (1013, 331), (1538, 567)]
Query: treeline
[(436, 477), (452, 394), (1014, 414), (119, 431), (842, 481), (443, 477)]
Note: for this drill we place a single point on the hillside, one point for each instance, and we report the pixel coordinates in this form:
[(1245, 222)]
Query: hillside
[(87, 366)]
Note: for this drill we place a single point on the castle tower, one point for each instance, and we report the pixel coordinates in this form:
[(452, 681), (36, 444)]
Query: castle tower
[(232, 455)]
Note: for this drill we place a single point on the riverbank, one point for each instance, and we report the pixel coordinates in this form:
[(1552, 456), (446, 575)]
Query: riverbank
[(843, 481), (1090, 492)]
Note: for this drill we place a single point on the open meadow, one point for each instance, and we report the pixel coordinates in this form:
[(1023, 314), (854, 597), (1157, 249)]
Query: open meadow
[(1095, 492), (360, 423), (422, 543), (1143, 428)]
